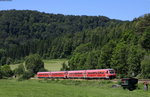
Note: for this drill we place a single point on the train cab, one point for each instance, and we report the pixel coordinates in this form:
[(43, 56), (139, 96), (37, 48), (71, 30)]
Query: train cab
[(111, 73)]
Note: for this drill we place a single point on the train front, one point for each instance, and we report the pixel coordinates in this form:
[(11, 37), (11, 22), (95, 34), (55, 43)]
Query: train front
[(111, 73)]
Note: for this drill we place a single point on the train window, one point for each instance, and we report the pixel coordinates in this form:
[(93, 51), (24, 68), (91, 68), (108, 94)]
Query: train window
[(111, 71), (92, 73), (57, 73), (75, 73), (101, 73)]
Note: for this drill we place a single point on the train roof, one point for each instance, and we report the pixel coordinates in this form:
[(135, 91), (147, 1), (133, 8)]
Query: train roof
[(58, 71), (92, 69), (42, 72), (77, 71)]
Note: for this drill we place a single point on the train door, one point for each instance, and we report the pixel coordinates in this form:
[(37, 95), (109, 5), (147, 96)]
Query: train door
[(65, 74), (107, 74), (49, 75), (84, 74)]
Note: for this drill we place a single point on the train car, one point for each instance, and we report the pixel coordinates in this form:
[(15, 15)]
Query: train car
[(90, 74), (101, 73), (44, 74), (59, 74), (76, 74), (111, 73)]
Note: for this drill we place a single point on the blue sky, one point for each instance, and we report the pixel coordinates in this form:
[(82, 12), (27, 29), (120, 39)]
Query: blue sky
[(114, 9)]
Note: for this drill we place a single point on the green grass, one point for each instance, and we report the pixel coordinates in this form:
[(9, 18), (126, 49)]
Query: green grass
[(54, 64), (14, 66), (50, 65), (64, 88)]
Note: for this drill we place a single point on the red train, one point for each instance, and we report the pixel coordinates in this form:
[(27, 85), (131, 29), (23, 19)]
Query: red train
[(89, 74)]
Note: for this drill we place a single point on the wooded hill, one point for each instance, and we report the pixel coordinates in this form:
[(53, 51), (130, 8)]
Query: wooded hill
[(88, 42)]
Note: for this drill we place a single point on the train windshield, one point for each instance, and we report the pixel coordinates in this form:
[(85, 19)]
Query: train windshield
[(111, 71)]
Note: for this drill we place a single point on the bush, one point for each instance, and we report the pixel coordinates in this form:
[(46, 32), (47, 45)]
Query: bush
[(34, 63), (20, 70), (43, 70), (6, 71), (26, 75), (64, 67)]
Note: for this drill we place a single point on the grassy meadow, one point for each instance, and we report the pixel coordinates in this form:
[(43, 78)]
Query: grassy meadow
[(64, 88), (54, 64), (50, 65)]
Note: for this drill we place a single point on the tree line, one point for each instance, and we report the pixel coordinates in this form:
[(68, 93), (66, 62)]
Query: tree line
[(125, 47)]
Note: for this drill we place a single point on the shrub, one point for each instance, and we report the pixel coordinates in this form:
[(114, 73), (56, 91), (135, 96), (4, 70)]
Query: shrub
[(26, 75), (34, 63), (6, 71), (20, 70)]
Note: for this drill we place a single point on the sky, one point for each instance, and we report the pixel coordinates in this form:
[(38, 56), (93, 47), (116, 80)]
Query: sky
[(114, 9)]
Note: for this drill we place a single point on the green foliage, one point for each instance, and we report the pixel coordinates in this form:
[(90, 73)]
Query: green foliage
[(106, 55), (3, 60), (145, 66), (9, 61), (2, 53), (49, 35), (1, 74), (88, 42), (135, 56), (6, 71), (77, 62), (83, 48), (34, 63), (64, 67), (26, 75), (92, 60), (119, 58), (20, 70), (145, 40)]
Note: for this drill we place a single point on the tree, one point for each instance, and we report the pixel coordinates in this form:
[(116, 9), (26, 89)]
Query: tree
[(9, 61), (145, 40), (20, 70), (26, 75), (92, 60), (145, 66), (6, 71), (64, 67), (119, 58), (34, 63), (3, 61), (134, 59), (106, 55), (1, 74)]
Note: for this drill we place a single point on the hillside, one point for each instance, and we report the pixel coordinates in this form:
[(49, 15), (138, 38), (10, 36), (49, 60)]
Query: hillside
[(35, 32), (88, 42)]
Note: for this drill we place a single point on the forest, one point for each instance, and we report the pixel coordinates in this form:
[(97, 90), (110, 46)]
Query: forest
[(89, 42)]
